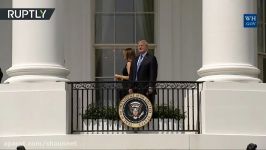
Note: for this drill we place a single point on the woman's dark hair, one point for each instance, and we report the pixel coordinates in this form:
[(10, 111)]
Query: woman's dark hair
[(129, 53)]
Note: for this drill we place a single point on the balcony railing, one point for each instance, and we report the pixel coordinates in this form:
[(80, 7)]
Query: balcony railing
[(94, 107)]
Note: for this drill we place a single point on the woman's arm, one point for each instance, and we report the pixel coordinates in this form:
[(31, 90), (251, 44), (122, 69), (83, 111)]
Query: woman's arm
[(121, 77), (128, 67)]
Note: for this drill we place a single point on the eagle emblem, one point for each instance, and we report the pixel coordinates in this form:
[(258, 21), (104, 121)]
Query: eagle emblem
[(136, 110)]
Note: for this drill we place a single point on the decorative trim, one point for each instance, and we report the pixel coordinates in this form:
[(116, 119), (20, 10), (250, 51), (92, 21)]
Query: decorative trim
[(234, 69), (34, 73)]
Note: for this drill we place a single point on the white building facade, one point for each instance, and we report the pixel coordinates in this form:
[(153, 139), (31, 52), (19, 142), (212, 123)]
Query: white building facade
[(192, 39), (176, 38)]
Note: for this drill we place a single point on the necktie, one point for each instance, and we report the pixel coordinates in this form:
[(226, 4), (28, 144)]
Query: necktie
[(138, 65), (139, 62)]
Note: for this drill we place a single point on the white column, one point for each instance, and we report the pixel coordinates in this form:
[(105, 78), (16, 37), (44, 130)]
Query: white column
[(37, 45), (229, 49)]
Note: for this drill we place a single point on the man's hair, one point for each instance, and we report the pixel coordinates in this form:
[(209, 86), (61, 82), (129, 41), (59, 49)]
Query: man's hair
[(251, 146), (144, 42), (21, 147)]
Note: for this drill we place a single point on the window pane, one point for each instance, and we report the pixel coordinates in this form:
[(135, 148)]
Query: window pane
[(105, 5), (144, 5), (124, 27), (119, 61), (124, 6), (104, 62), (145, 27), (104, 28)]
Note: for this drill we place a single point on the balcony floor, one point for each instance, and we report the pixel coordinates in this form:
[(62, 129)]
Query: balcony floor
[(133, 141)]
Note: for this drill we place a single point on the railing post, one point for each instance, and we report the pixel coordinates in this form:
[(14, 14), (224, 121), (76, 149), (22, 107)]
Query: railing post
[(198, 104), (71, 85)]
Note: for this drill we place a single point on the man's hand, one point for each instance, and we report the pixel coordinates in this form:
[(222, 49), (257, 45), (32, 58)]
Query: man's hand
[(130, 91), (118, 77), (150, 91)]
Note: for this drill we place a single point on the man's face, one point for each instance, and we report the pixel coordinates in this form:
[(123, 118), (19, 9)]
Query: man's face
[(142, 47)]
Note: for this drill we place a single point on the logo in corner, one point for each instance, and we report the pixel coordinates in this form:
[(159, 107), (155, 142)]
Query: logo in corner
[(26, 13), (250, 20), (135, 110)]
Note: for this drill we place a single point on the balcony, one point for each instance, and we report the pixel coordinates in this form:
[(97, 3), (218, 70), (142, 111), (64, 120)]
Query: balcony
[(94, 107)]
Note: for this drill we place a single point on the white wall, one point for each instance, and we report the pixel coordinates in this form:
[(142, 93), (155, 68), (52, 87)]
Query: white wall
[(168, 39), (5, 40), (79, 53), (34, 109), (191, 41), (179, 39), (233, 108)]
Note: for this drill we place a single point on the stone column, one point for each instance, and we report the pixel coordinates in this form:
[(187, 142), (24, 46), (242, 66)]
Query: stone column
[(37, 45), (229, 49)]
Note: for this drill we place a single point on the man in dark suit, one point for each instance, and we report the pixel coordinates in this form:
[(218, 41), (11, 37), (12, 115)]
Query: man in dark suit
[(144, 68), (1, 75)]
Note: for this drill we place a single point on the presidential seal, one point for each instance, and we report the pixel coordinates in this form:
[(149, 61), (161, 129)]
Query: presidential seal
[(135, 110)]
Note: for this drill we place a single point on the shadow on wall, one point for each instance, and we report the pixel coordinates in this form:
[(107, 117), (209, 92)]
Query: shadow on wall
[(1, 75)]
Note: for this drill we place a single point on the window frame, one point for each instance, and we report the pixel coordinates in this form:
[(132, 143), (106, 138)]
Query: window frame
[(261, 53), (118, 46)]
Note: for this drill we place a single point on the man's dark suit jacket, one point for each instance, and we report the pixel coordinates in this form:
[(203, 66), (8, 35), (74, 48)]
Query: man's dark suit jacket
[(147, 71)]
